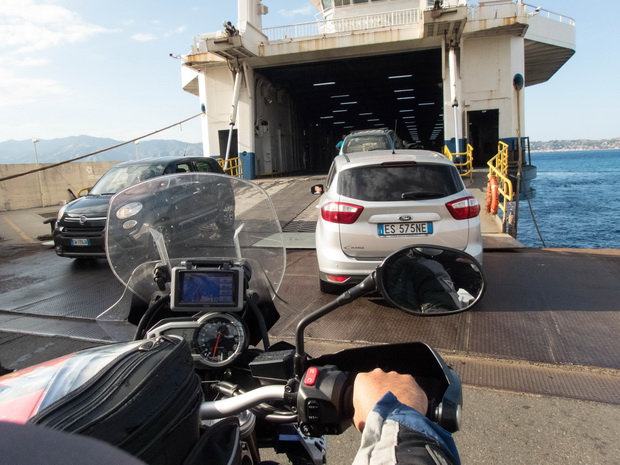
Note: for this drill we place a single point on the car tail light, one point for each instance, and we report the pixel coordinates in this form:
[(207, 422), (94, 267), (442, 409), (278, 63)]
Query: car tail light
[(338, 279), (340, 212), (462, 209), (399, 163)]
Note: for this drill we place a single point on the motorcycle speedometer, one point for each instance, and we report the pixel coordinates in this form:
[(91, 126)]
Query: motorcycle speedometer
[(220, 339)]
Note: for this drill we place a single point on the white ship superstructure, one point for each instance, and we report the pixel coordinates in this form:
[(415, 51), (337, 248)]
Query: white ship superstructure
[(440, 73)]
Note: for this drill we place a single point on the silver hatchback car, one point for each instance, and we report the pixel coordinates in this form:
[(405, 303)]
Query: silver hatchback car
[(375, 203)]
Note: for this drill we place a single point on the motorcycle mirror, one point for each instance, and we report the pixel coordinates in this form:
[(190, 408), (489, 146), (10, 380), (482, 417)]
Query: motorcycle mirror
[(430, 280), (420, 280)]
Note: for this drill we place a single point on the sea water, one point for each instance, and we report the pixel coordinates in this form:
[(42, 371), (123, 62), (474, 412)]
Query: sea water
[(577, 202)]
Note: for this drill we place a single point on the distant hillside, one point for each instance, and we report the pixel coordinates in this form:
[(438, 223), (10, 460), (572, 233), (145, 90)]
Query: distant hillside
[(579, 144), (57, 150)]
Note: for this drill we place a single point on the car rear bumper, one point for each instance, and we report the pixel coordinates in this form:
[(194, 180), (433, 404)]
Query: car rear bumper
[(333, 262)]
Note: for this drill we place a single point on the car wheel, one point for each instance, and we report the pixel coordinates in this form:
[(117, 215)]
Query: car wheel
[(330, 288)]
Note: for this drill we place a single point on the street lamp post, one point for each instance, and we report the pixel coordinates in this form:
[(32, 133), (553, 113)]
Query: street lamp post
[(36, 160), (36, 155)]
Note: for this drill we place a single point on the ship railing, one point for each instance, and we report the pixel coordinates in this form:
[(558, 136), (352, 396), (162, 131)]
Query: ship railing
[(387, 20), (400, 18), (536, 10), (515, 8), (498, 167), (464, 161), (233, 167)]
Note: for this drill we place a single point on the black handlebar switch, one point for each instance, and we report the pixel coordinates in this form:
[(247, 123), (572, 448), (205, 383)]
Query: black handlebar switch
[(324, 401)]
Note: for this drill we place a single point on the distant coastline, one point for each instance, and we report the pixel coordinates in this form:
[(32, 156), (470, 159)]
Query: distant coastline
[(57, 150), (574, 145)]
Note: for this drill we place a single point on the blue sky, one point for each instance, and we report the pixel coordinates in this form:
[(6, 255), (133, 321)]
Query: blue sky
[(103, 68)]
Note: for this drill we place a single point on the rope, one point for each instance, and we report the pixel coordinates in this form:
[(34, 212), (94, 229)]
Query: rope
[(529, 203), (54, 165)]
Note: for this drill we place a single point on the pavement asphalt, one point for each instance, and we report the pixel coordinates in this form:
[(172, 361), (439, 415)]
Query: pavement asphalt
[(20, 227), (498, 426)]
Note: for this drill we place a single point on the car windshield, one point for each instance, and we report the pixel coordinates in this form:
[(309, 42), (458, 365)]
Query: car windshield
[(120, 177), (365, 144), (380, 183)]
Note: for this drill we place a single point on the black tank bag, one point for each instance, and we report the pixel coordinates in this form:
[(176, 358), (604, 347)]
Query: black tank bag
[(145, 402)]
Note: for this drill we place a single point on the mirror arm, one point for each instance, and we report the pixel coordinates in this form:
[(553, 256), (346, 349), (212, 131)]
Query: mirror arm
[(368, 285)]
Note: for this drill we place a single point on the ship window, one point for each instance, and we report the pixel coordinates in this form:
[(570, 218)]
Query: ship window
[(328, 4), (360, 1), (342, 2)]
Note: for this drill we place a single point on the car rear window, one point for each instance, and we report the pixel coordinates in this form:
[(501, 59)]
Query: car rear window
[(405, 182), (366, 144)]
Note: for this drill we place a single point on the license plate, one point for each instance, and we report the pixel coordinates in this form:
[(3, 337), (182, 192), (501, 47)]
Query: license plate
[(80, 242), (405, 229)]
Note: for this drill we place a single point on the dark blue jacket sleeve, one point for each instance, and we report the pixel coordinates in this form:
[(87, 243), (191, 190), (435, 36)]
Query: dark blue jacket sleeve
[(396, 433)]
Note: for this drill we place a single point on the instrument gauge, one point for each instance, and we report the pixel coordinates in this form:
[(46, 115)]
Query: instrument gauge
[(220, 339)]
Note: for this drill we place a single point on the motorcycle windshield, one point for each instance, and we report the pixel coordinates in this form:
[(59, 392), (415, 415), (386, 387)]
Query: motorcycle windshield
[(203, 216)]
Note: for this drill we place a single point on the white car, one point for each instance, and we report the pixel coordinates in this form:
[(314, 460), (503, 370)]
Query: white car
[(375, 203)]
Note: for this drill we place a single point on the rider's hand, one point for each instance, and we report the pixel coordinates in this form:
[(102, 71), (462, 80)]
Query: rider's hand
[(370, 387)]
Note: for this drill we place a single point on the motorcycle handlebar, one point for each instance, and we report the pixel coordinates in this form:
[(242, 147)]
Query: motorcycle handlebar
[(234, 405), (321, 405), (322, 399)]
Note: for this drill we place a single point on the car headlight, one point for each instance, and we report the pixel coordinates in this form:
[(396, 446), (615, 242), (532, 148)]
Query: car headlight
[(129, 210), (61, 212)]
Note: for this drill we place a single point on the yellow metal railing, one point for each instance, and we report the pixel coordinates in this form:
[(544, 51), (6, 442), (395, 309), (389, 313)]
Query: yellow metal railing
[(468, 164), (498, 168), (233, 168)]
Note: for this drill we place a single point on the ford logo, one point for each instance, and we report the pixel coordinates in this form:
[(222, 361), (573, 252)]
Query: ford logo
[(404, 218), (83, 219)]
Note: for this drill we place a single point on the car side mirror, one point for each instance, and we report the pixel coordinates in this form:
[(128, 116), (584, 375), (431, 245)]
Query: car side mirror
[(317, 189), (430, 280)]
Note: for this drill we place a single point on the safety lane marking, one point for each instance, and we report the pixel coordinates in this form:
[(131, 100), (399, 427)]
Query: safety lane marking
[(16, 228)]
